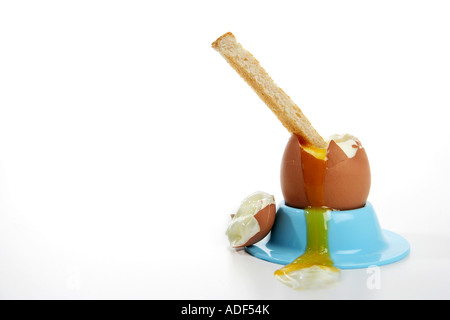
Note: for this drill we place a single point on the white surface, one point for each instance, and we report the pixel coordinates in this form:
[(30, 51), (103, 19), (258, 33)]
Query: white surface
[(126, 141)]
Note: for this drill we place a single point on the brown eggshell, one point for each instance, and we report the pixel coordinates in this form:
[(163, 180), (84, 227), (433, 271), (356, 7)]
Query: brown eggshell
[(346, 183), (292, 184), (265, 218)]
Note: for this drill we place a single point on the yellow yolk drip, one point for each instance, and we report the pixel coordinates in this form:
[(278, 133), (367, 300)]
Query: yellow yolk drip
[(319, 153), (317, 252), (316, 257)]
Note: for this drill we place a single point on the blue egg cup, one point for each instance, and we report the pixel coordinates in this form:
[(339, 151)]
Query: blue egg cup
[(355, 239)]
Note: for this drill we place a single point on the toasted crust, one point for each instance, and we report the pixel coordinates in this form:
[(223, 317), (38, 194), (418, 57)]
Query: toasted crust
[(275, 98)]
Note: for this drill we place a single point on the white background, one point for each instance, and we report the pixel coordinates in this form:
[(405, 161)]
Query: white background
[(126, 141)]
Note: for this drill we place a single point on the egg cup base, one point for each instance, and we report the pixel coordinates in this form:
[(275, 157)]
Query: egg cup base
[(355, 239)]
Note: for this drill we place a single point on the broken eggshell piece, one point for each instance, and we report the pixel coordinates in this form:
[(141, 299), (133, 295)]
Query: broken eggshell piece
[(346, 183), (253, 221)]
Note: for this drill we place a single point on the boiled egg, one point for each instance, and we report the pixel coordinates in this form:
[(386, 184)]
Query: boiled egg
[(336, 177)]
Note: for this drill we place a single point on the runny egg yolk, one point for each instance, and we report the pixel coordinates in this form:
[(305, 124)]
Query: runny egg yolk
[(319, 153), (314, 268), (315, 264), (314, 168)]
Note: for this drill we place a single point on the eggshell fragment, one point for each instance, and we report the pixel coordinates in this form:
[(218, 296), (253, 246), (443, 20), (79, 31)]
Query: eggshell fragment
[(265, 218), (253, 221)]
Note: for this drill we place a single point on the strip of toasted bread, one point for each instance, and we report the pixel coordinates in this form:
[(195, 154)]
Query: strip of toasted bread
[(276, 99)]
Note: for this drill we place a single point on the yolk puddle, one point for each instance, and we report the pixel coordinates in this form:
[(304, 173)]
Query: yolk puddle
[(314, 268)]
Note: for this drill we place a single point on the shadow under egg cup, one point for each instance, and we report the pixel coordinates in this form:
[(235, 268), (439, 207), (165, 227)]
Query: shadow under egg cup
[(355, 239)]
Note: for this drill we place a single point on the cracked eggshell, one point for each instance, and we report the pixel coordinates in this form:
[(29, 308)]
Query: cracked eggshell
[(265, 218), (347, 180), (247, 229)]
